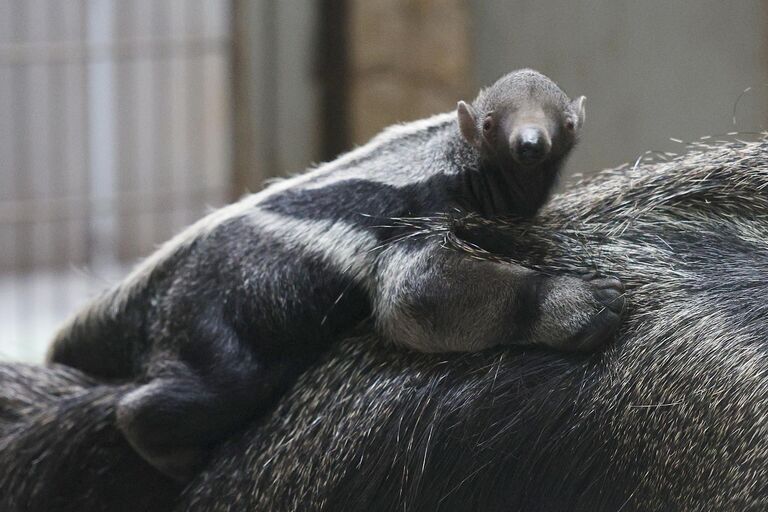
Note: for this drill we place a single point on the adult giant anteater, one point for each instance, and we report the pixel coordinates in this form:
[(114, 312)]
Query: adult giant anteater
[(673, 416)]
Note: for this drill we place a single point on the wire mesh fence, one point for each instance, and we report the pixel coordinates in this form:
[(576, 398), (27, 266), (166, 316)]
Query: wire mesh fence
[(114, 133)]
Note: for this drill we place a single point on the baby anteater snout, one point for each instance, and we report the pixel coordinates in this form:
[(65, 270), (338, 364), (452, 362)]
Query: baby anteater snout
[(530, 144)]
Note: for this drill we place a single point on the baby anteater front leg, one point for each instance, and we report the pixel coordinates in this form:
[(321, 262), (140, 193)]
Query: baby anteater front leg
[(577, 314), (432, 298), (190, 403)]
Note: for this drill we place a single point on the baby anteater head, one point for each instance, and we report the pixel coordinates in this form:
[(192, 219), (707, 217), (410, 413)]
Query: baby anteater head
[(522, 126), (524, 117)]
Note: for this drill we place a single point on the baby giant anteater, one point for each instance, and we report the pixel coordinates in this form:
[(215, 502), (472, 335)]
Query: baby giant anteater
[(223, 317)]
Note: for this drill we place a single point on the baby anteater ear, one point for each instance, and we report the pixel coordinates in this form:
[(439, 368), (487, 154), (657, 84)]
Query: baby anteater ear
[(578, 108), (468, 123)]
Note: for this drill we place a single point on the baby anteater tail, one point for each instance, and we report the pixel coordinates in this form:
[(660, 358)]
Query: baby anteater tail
[(95, 342)]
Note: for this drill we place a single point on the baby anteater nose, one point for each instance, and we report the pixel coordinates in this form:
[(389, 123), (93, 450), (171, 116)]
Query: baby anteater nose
[(531, 145)]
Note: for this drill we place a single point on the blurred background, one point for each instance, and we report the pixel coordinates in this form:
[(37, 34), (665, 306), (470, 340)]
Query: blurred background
[(121, 121)]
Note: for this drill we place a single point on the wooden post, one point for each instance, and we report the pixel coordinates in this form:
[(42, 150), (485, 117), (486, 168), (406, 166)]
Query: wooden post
[(408, 59)]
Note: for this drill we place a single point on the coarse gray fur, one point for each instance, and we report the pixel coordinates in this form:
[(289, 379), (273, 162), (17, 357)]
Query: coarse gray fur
[(222, 319), (674, 416)]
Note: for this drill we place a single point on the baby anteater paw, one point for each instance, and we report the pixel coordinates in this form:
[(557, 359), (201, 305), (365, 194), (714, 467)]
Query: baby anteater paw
[(579, 314), (608, 293)]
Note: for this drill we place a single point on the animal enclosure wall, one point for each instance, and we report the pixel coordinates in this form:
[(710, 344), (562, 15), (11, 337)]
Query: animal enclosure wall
[(114, 133)]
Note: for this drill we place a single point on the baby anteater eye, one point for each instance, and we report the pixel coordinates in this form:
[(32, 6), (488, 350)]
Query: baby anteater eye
[(488, 124), (570, 124)]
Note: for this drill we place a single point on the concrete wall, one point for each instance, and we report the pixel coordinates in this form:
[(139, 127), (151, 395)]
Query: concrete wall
[(651, 70)]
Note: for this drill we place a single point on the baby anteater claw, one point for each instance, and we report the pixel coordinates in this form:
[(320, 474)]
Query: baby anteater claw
[(608, 292), (578, 314)]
